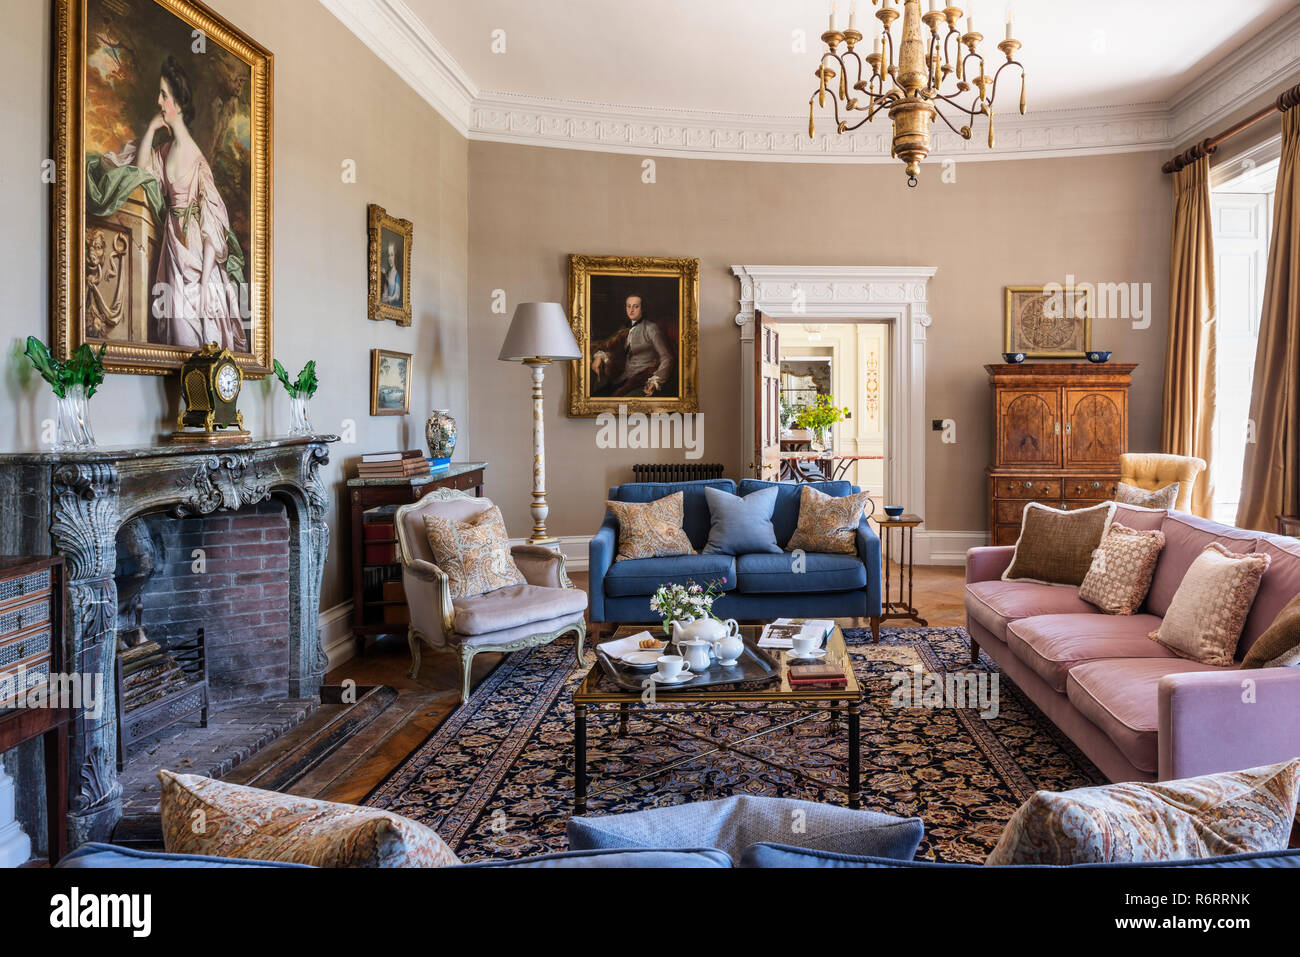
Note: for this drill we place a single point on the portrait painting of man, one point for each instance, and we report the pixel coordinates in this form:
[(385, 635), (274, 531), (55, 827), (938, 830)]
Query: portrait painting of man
[(635, 319)]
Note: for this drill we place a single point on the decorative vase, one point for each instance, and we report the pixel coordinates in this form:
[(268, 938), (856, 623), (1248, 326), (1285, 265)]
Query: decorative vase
[(824, 437), (74, 431), (440, 433), (299, 420)]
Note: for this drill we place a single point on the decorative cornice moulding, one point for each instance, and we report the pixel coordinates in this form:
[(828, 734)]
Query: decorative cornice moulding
[(399, 38)]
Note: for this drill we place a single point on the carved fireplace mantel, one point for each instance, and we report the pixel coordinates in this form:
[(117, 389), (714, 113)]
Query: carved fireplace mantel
[(73, 504)]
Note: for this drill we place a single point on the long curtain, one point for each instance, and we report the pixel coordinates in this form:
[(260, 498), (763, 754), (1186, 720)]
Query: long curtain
[(1188, 426), (1270, 481)]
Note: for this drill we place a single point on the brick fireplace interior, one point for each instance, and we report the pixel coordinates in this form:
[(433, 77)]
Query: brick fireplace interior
[(226, 573)]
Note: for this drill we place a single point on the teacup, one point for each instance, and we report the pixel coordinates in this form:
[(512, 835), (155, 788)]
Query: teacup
[(805, 645), (670, 666)]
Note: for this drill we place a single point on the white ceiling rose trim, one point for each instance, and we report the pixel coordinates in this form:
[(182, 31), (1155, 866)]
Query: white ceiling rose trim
[(401, 40)]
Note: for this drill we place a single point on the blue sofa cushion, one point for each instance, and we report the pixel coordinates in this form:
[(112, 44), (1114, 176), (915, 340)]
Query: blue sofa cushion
[(642, 576), (822, 572), (733, 824), (695, 510), (617, 857), (780, 855), (739, 526), (785, 517), (91, 856)]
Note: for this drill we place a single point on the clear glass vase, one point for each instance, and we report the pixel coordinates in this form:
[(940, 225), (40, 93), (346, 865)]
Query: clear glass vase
[(299, 420), (74, 431)]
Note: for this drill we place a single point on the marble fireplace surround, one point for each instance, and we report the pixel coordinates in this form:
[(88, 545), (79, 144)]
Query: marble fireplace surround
[(73, 504)]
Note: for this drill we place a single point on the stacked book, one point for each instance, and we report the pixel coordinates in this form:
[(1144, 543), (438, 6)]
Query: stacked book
[(408, 464), (780, 633), (817, 676)]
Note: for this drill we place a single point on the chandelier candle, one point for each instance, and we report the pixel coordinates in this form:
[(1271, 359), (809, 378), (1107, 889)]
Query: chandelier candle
[(910, 80)]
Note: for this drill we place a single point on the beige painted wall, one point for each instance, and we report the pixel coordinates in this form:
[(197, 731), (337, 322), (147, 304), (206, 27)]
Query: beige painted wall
[(1104, 219), (334, 100)]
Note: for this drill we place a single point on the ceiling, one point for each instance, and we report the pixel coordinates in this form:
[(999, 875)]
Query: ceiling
[(736, 56), (723, 78)]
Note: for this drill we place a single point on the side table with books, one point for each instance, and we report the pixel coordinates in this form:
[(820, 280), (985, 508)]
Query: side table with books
[(379, 604)]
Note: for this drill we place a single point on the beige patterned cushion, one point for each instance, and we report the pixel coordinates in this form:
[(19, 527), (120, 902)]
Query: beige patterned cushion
[(474, 553), (1056, 545), (828, 523), (1122, 568), (1279, 645), (651, 529), (1209, 609), (215, 819), (1160, 498), (1234, 812)]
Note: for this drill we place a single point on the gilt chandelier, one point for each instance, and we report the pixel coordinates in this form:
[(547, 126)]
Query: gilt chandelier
[(914, 81)]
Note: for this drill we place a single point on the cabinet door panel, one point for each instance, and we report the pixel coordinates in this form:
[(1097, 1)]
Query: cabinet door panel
[(1096, 430), (1028, 424)]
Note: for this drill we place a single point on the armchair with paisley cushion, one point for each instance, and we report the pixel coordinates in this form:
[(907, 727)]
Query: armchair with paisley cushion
[(503, 620), (1156, 470)]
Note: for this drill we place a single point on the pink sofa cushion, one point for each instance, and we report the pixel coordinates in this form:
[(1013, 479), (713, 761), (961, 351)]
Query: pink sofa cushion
[(516, 605), (994, 604), (1281, 583), (1140, 519), (1053, 644), (1185, 538), (1121, 696)]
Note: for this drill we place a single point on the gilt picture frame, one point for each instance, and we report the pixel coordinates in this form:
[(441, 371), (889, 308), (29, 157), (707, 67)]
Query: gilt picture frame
[(390, 382), (636, 320), (132, 79), (389, 260), (1047, 321)]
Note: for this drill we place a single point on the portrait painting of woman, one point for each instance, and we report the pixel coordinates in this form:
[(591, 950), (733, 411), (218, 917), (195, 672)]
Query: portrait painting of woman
[(170, 212), (389, 252)]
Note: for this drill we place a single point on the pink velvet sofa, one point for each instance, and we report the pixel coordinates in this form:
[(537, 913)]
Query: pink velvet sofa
[(1137, 710)]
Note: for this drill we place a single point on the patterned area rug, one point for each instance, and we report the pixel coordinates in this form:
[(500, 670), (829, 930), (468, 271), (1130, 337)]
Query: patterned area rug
[(496, 778)]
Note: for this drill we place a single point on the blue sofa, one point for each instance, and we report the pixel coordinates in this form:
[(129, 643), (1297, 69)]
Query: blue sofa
[(758, 586)]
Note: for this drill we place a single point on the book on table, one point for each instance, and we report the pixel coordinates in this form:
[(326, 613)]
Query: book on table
[(780, 633)]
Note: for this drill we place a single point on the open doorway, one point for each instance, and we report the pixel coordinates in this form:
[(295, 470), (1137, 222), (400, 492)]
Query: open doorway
[(1241, 205), (847, 362)]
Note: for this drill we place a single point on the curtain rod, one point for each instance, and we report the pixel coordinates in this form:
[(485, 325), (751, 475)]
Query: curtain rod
[(1207, 147)]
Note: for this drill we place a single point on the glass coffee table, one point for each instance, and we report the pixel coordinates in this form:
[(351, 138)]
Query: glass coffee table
[(599, 693)]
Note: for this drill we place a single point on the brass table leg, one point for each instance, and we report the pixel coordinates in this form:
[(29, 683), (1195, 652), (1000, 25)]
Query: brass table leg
[(579, 759), (854, 759), (622, 720)]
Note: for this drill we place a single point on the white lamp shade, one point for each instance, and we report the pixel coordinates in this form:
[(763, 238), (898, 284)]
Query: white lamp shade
[(539, 330)]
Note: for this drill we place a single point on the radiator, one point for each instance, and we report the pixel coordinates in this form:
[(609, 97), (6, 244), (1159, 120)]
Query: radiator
[(676, 472)]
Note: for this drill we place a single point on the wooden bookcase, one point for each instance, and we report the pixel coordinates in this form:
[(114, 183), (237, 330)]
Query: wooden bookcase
[(378, 605), (1059, 430)]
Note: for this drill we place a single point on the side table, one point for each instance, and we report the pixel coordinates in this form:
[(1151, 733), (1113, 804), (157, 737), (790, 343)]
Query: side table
[(903, 609)]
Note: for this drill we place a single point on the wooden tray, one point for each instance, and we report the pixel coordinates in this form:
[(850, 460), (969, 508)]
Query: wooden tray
[(753, 665)]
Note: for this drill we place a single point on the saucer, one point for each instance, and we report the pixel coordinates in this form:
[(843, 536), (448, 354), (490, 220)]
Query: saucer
[(681, 678), (729, 663), (640, 659), (811, 656)]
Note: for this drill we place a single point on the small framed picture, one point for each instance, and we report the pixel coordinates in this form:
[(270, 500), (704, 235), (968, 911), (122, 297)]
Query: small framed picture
[(390, 382), (390, 267), (1048, 322)]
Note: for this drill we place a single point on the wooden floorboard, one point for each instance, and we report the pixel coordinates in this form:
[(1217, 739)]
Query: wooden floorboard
[(435, 693)]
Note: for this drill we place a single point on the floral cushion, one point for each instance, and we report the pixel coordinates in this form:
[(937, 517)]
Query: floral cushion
[(1160, 498), (475, 553), (1205, 619), (828, 523), (651, 529), (215, 819), (1218, 814), (1122, 567)]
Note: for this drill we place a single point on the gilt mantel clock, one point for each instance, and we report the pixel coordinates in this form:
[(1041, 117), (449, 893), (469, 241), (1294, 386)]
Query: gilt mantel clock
[(210, 384)]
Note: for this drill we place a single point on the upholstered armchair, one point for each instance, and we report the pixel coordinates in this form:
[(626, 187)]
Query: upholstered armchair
[(1155, 470), (505, 620)]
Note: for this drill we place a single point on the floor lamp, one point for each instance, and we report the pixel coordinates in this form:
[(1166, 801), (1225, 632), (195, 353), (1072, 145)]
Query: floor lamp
[(539, 333)]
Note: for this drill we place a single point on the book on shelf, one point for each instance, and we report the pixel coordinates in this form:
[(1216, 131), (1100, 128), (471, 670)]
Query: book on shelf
[(816, 672), (439, 464), (406, 469), (819, 683)]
